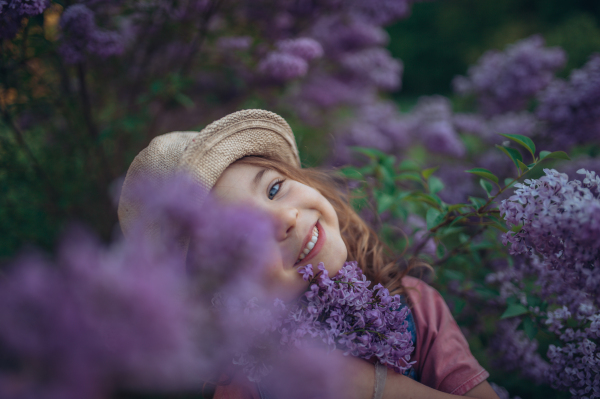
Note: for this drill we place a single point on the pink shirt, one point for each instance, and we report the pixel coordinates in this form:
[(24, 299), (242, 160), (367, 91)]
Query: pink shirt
[(443, 359)]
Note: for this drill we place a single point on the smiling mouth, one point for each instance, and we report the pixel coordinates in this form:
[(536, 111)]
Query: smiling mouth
[(313, 245)]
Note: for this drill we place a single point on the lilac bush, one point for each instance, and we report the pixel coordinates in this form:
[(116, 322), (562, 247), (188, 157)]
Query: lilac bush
[(558, 229)]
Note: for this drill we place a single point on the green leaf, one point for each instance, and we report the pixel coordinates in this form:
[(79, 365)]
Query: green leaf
[(459, 305), (433, 218), (456, 207), (523, 141), (428, 172), (555, 154), (477, 202), (351, 173), (509, 181), (409, 165), (458, 219), (369, 152), (486, 186), (440, 251), (384, 202), (454, 275), (511, 153), (530, 328), (514, 310), (414, 176), (499, 226), (523, 167), (431, 199), (184, 100), (486, 174), (435, 185)]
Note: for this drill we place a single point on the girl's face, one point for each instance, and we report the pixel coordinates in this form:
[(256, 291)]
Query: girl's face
[(306, 225)]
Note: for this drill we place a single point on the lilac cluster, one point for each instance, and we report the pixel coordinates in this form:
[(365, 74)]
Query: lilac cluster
[(290, 60), (506, 81), (558, 237), (571, 108), (433, 125), (559, 220), (345, 313), (12, 13), (341, 311), (575, 366), (514, 351), (81, 35)]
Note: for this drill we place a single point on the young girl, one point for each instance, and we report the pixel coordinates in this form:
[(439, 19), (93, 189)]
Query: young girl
[(251, 157)]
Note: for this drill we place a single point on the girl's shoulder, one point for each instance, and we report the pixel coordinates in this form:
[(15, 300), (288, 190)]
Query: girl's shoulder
[(443, 358)]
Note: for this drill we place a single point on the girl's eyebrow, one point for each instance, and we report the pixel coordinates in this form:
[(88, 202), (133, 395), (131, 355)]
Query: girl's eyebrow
[(258, 177)]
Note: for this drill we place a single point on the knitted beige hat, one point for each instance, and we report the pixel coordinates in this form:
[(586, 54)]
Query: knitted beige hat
[(206, 154)]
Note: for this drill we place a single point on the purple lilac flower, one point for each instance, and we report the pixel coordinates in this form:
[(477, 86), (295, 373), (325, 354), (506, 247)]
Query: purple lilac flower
[(512, 350), (305, 48), (376, 65), (341, 34), (344, 313), (282, 67), (432, 124), (506, 81), (558, 235), (136, 316), (570, 168), (376, 125), (559, 220), (572, 108), (13, 11), (80, 35), (328, 91), (91, 326)]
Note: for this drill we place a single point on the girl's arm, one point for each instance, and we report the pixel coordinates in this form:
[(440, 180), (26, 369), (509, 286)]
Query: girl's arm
[(361, 382)]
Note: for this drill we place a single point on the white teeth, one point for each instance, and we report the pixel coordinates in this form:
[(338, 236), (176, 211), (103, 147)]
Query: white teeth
[(311, 244)]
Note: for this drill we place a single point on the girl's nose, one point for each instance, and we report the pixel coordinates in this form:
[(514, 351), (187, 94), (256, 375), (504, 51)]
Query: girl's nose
[(285, 219)]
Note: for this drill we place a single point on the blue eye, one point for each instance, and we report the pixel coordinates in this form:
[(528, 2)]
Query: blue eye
[(275, 189)]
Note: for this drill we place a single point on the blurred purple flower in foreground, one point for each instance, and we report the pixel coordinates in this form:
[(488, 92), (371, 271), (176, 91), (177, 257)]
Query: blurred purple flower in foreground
[(506, 81), (137, 316)]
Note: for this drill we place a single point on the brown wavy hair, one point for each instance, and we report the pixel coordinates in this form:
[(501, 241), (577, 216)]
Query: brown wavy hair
[(374, 257)]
